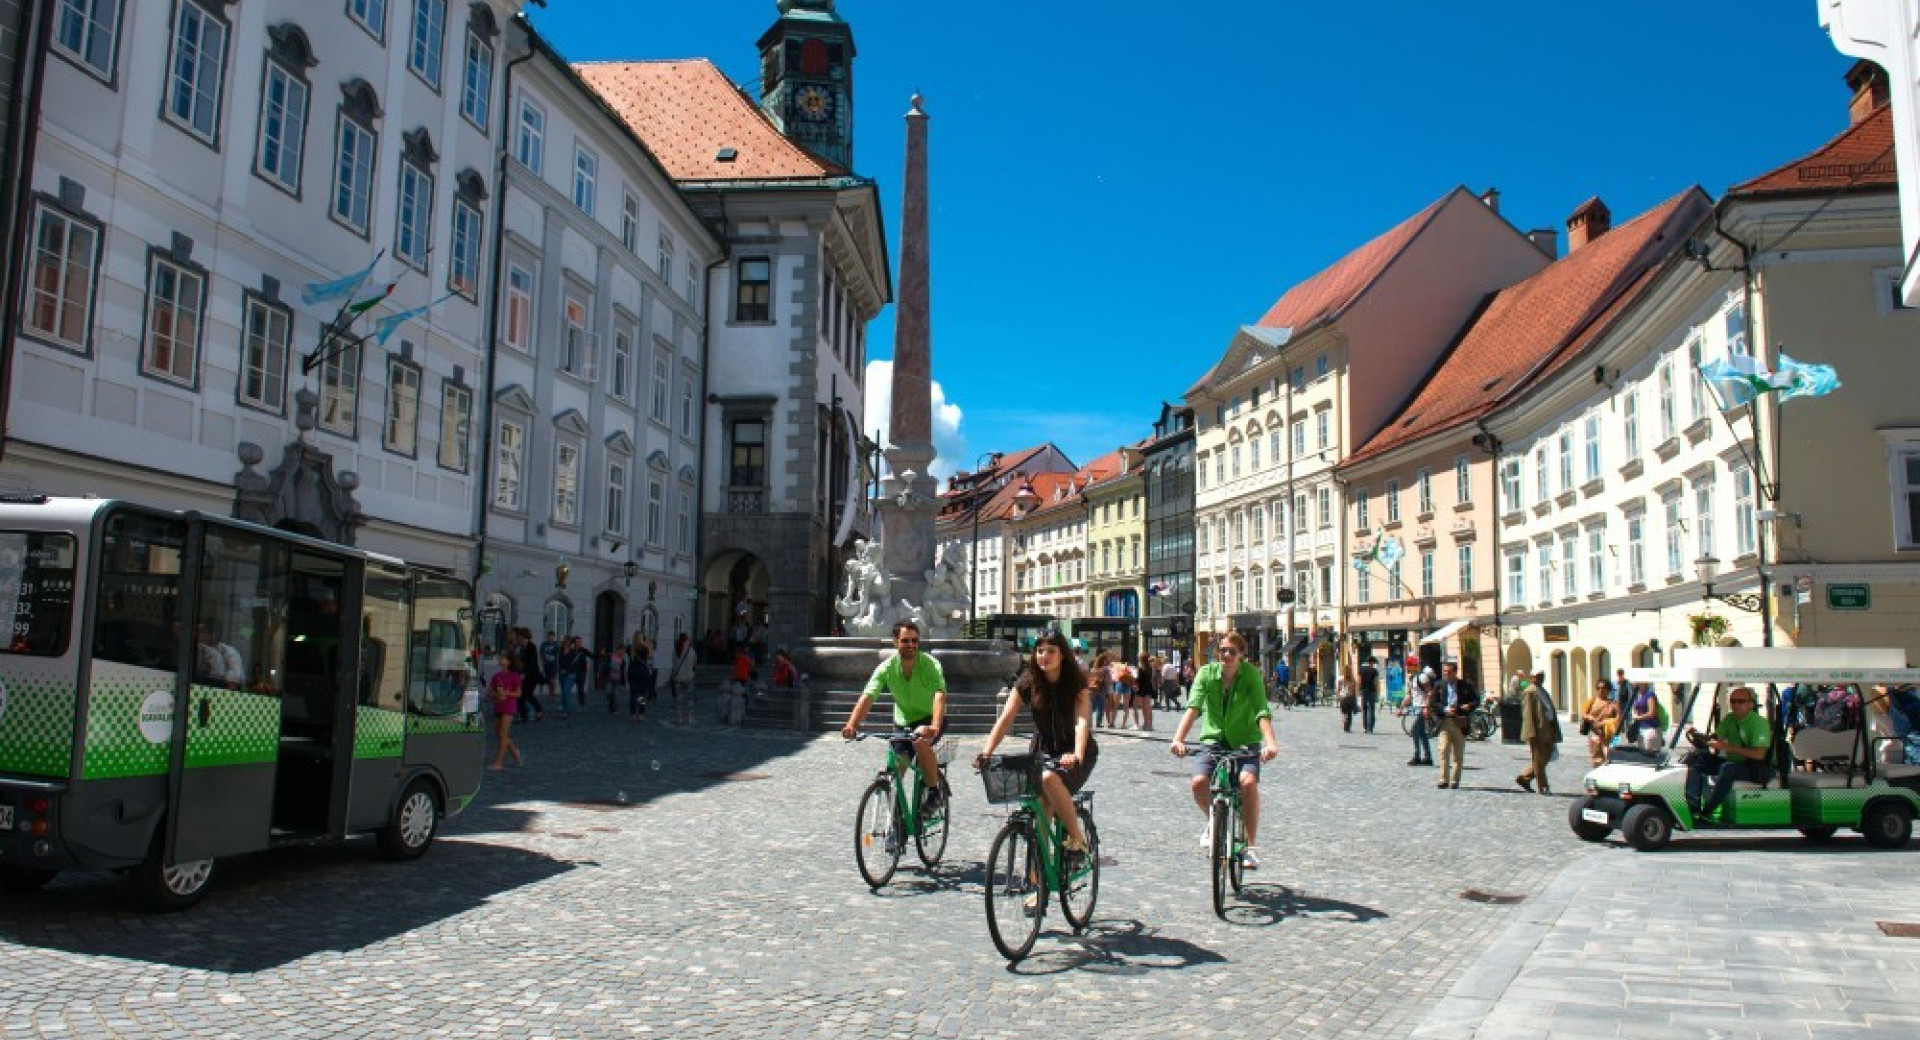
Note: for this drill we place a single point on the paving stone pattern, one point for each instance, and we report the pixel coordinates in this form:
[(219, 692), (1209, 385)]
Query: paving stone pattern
[(641, 880)]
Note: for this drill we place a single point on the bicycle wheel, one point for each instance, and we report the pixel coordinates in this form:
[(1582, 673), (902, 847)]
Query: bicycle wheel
[(1217, 827), (931, 841), (1013, 878), (1406, 724), (876, 836), (1081, 889), (1482, 726), (1236, 842)]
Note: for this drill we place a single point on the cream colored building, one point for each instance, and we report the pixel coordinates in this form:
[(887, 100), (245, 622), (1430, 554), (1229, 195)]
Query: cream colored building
[(1049, 557), (1117, 542)]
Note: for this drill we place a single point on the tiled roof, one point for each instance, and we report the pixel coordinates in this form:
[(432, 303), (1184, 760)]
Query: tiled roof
[(1528, 330), (1861, 157), (687, 111)]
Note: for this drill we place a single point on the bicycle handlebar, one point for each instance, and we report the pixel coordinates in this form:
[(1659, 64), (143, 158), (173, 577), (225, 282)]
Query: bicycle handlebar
[(1225, 753)]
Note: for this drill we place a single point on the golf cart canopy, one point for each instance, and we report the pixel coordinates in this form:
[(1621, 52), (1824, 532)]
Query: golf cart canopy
[(1781, 665)]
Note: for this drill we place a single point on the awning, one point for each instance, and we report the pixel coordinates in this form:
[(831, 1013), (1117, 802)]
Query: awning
[(1318, 641), (1440, 634), (1294, 645)]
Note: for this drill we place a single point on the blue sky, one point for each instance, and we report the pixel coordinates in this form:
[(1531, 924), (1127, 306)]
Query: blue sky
[(1118, 185)]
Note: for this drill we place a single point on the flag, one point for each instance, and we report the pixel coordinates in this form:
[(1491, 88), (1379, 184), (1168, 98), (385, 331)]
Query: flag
[(1736, 380), (1371, 553), (1796, 379), (385, 326), (365, 304), (338, 289), (1159, 588), (1390, 552)]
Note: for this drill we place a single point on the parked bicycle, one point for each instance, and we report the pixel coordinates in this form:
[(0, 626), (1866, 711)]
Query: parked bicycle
[(1028, 861), (1226, 828), (1409, 719), (1484, 721), (892, 813)]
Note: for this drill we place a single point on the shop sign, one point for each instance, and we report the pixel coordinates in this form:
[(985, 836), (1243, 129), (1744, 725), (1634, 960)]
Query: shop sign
[(1555, 634)]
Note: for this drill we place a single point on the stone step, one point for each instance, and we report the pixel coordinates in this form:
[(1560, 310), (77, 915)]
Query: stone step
[(967, 712)]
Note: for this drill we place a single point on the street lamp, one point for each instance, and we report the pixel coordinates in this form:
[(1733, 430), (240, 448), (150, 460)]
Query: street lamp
[(1707, 567), (630, 570)]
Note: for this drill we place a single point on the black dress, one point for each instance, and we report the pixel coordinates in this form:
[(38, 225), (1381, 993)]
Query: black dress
[(1053, 725)]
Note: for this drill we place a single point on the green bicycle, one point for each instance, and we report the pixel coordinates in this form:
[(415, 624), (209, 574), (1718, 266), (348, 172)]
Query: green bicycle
[(891, 812), (1226, 829), (1028, 858)]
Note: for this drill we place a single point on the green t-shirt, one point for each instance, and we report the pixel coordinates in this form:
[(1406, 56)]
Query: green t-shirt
[(912, 697), (1750, 732), (1235, 720)]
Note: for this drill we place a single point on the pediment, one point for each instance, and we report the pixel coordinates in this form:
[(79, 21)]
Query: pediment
[(620, 443), (514, 397), (571, 421)]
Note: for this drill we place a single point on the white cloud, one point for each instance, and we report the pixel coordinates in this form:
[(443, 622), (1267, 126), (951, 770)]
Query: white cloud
[(948, 441)]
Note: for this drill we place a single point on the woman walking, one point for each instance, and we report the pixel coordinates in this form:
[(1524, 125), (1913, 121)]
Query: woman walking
[(1145, 691), (504, 691), (680, 679), (1348, 692)]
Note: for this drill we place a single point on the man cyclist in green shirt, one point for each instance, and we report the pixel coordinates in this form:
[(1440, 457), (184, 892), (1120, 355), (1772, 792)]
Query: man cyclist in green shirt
[(1739, 746), (919, 691), (1231, 701)]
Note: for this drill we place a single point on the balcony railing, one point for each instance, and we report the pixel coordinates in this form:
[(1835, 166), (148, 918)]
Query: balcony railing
[(746, 501)]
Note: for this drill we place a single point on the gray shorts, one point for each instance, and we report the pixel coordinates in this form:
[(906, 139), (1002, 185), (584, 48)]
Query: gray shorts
[(1205, 759)]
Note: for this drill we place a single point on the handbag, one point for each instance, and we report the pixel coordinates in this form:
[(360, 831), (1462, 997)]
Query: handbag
[(1586, 727)]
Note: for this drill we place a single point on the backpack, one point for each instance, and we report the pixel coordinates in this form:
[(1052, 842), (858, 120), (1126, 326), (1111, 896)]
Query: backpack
[(1837, 709), (1660, 715)]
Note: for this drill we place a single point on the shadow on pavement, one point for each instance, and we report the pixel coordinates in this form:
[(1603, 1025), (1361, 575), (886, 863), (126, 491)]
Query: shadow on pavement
[(1774, 842), (1116, 947), (1276, 904), (269, 909), (949, 876)]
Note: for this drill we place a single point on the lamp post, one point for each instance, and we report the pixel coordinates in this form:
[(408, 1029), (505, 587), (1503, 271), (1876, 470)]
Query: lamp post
[(1707, 568)]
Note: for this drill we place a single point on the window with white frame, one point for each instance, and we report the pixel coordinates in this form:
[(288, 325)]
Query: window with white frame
[(1257, 518), (1637, 548), (469, 231), (195, 68), (1696, 384), (692, 291), (586, 175), (630, 222), (1390, 495), (1273, 444), (1300, 514), (1320, 366), (688, 409), (1464, 565), (1462, 481), (283, 125), (1200, 536), (1542, 484), (371, 14), (1326, 583), (662, 373), (1239, 592), (516, 326), (1903, 449), (665, 259), (1323, 503), (1423, 486), (1676, 549), (1736, 328), (1200, 469), (1743, 515), (615, 521), (1323, 428), (176, 302), (1703, 515), (61, 284), (1596, 559), (1299, 378), (456, 422), (1219, 467), (753, 290), (530, 135), (1253, 453), (1234, 468), (620, 385), (340, 390), (1426, 573), (428, 41), (1565, 446), (1239, 529), (575, 349), (354, 146), (476, 80), (1668, 427), (1590, 448), (1362, 511), (1363, 586), (401, 432), (1569, 567), (1258, 591), (1299, 437), (1510, 484), (1543, 567), (88, 32), (1517, 578), (683, 519), (265, 342), (566, 484), (413, 226), (1394, 585), (1630, 423), (656, 509)]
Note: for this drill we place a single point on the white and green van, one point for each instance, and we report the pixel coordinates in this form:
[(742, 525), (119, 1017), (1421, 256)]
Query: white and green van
[(1821, 782), (177, 687)]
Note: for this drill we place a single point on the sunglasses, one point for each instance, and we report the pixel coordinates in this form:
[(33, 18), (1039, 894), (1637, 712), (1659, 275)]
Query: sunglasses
[(1741, 700), (1229, 652), (909, 642)]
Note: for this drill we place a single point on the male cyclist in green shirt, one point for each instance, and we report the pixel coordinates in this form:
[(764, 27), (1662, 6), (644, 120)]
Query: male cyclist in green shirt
[(919, 692), (1232, 703)]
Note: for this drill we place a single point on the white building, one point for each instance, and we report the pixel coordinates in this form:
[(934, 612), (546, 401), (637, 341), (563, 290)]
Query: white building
[(1887, 33), (975, 514), (197, 164)]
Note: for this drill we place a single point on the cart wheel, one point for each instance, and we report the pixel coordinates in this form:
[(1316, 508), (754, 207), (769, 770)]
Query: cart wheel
[(416, 819), (1647, 827), (1887, 824), (1586, 829), (168, 887)]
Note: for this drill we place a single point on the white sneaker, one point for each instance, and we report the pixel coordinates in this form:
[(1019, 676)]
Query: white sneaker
[(1248, 860), (1206, 838)]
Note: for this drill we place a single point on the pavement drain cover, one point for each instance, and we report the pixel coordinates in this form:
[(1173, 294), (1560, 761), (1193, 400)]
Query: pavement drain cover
[(738, 777), (1900, 929), (1495, 898)]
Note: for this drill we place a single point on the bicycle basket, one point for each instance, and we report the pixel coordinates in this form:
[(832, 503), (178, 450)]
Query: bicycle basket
[(1009, 779), (943, 751)]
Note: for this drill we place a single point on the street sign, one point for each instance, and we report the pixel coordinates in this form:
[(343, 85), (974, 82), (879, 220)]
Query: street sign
[(1850, 597), (1555, 634)]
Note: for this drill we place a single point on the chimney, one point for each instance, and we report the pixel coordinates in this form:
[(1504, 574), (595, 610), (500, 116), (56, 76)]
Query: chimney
[(1546, 240), (1491, 199), (1588, 222), (1869, 84)]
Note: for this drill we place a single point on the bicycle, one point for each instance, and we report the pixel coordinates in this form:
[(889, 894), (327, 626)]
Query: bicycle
[(1484, 720), (1406, 723), (890, 813), (1028, 858), (1226, 828)]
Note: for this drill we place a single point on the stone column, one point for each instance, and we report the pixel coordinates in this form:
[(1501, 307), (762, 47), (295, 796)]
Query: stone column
[(910, 494)]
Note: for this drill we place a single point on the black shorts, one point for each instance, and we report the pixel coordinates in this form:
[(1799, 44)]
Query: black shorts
[(905, 746)]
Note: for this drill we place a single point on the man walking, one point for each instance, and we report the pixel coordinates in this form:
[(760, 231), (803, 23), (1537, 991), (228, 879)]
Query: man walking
[(1540, 728), (1451, 707), (1369, 693)]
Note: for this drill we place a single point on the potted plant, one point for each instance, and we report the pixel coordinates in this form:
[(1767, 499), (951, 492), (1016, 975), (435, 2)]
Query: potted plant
[(1707, 627)]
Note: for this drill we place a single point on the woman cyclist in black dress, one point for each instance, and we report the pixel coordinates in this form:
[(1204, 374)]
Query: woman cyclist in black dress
[(1058, 696)]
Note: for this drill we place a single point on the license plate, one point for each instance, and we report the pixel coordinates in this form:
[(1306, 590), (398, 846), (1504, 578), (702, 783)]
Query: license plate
[(1595, 816), (6, 817)]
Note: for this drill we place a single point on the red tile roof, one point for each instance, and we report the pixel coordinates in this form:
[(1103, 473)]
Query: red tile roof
[(687, 111), (1861, 157), (1528, 330), (1324, 296)]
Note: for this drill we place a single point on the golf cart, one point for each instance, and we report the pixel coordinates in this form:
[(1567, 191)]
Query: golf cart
[(1821, 780)]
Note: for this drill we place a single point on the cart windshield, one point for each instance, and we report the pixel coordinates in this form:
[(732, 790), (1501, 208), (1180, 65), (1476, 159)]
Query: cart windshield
[(36, 591)]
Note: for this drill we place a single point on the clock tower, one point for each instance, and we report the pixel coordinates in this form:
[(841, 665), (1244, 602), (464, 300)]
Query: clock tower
[(806, 78)]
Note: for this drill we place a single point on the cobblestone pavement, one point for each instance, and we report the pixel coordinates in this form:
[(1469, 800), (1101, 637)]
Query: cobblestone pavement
[(721, 900)]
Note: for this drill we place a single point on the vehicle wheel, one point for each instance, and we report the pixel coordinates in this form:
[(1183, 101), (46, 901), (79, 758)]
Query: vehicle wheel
[(416, 819), (1013, 877), (1236, 843), (1406, 724), (1079, 892), (1218, 855), (1887, 824), (1585, 829), (165, 888), (876, 836), (1482, 726), (931, 842), (1819, 834), (22, 880), (1647, 827)]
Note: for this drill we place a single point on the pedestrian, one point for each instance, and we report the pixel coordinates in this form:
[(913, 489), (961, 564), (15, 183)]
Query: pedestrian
[(531, 677), (550, 664), (1369, 693), (1451, 706), (503, 690), (1349, 697), (785, 675), (1310, 681), (1145, 692), (1540, 729), (574, 665), (1415, 709), (680, 679), (614, 679), (640, 679), (1170, 685), (1103, 688), (1643, 725)]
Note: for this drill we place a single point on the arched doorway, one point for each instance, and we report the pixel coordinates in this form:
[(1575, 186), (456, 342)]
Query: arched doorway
[(609, 621), (1519, 659), (734, 591), (1602, 669), (496, 618), (1570, 695), (1557, 672)]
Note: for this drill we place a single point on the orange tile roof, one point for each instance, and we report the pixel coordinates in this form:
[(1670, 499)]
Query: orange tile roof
[(1047, 485), (1861, 157), (687, 111), (1324, 296), (1528, 330)]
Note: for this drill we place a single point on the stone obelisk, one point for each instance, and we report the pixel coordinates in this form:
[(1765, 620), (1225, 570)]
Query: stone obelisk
[(910, 495)]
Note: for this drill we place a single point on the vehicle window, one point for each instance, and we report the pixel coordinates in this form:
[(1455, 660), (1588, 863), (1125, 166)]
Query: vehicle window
[(437, 672), (137, 620), (238, 638), (384, 632), (36, 591)]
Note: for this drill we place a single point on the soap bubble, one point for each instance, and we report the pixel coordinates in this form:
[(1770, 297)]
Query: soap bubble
[(656, 765)]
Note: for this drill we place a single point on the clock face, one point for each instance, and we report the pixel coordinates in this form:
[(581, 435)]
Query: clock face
[(814, 103)]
